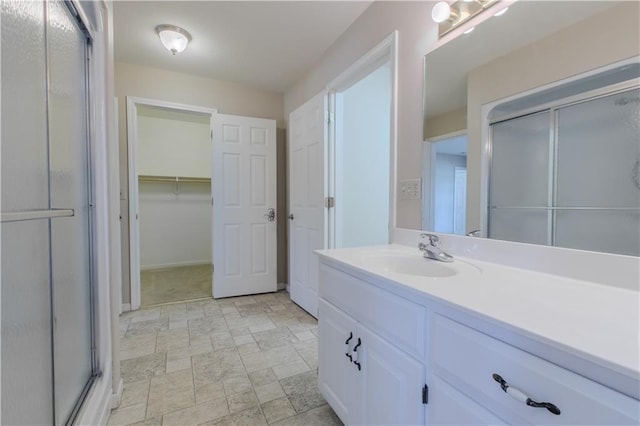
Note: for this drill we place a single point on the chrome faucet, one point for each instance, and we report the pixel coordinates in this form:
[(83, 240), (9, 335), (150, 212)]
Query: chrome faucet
[(432, 250)]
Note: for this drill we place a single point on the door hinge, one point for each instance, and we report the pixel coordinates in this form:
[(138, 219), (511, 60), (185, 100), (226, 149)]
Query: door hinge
[(329, 202), (425, 394), (330, 116)]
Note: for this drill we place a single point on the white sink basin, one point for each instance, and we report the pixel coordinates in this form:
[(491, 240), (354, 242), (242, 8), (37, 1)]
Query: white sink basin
[(412, 265)]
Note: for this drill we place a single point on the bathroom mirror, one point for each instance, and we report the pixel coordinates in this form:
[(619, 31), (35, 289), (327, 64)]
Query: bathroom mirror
[(517, 87)]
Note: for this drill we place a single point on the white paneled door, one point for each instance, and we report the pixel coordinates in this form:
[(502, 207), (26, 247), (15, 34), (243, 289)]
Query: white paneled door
[(244, 216), (307, 189)]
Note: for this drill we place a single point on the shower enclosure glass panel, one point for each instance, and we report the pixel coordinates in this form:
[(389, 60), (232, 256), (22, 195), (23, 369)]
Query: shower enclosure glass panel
[(27, 379), (47, 322), (578, 164), (70, 236), (519, 181), (598, 150), (598, 158)]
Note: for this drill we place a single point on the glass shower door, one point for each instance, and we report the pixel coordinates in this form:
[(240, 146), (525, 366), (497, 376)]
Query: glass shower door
[(47, 322), (519, 182), (598, 174), (70, 236), (27, 376)]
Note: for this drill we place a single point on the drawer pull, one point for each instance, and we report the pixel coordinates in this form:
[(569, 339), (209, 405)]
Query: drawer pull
[(355, 349), (347, 354), (520, 396)]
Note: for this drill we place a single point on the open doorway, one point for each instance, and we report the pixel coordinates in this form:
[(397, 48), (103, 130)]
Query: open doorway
[(170, 170), (362, 160), (361, 150), (446, 157)]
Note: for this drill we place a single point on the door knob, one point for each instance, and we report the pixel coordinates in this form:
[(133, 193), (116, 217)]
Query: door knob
[(271, 215), (290, 216)]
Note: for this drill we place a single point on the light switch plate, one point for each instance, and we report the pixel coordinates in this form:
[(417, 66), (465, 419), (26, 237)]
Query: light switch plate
[(409, 189)]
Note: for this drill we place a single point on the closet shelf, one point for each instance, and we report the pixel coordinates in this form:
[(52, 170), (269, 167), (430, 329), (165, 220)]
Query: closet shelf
[(173, 179)]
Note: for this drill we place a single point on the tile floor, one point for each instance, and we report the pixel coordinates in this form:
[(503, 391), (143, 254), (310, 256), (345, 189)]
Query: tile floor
[(248, 360), (175, 284)]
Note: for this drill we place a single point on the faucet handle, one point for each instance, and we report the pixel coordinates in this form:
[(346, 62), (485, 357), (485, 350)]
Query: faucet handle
[(434, 240)]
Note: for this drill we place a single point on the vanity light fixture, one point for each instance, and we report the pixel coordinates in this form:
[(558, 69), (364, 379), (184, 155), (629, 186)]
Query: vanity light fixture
[(450, 15), (174, 39), (502, 12)]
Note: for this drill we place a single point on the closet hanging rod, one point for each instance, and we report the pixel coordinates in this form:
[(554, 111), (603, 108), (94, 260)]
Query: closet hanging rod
[(172, 179)]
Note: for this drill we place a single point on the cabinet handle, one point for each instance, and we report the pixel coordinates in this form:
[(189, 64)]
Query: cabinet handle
[(520, 396), (347, 354), (355, 349), (349, 339)]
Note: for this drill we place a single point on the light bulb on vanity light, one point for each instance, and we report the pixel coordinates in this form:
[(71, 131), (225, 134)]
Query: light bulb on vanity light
[(440, 12)]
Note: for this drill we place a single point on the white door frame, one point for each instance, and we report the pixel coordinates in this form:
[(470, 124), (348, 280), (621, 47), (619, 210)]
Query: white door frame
[(383, 52), (132, 146)]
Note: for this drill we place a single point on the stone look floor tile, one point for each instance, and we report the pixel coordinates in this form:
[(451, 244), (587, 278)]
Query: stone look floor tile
[(149, 326), (137, 346), (127, 415), (320, 416), (242, 401), (154, 421), (178, 364), (189, 351), (236, 361), (290, 369), (250, 417), (262, 377), (135, 393), (170, 392), (278, 409), (141, 368), (208, 392), (236, 385), (269, 392), (302, 391), (197, 414)]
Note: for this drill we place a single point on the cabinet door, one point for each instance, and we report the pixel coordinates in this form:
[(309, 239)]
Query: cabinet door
[(447, 406), (336, 373), (389, 384)]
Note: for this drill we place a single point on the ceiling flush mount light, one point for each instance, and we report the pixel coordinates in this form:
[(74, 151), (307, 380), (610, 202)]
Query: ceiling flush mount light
[(174, 39), (450, 15)]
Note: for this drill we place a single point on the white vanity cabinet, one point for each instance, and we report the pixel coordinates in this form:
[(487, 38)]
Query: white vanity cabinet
[(366, 379), (476, 364), (403, 340)]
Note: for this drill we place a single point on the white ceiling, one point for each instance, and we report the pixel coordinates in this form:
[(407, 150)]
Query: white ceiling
[(264, 44)]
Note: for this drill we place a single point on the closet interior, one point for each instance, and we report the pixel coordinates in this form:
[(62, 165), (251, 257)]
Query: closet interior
[(175, 204)]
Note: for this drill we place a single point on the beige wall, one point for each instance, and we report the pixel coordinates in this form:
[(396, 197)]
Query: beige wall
[(227, 98), (416, 32), (603, 39), (449, 122)]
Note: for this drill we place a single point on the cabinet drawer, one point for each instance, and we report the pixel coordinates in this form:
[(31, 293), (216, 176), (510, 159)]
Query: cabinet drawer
[(467, 359), (395, 318)]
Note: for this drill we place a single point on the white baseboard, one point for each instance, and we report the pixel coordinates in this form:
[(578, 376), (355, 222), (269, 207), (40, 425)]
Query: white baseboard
[(125, 307), (116, 397), (175, 265), (287, 288), (281, 286)]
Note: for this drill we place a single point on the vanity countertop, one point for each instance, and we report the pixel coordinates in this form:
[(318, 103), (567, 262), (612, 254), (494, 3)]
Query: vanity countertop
[(596, 322)]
